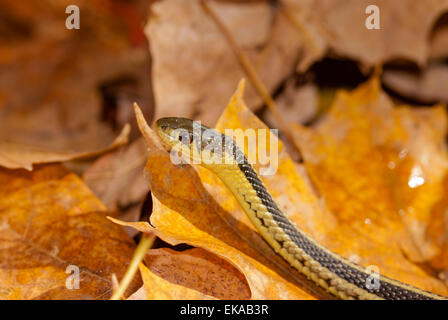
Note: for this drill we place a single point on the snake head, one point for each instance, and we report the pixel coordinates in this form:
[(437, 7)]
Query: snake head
[(178, 134), (195, 142)]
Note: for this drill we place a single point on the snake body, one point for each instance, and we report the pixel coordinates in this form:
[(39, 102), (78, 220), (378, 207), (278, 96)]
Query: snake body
[(337, 275)]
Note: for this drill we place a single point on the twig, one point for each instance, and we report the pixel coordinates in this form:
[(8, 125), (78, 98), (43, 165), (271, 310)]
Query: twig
[(252, 75), (144, 245), (300, 26)]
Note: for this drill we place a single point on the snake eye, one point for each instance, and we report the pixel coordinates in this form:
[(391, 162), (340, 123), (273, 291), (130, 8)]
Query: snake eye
[(185, 139)]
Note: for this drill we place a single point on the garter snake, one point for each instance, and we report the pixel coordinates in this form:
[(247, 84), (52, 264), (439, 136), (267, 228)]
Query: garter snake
[(337, 275)]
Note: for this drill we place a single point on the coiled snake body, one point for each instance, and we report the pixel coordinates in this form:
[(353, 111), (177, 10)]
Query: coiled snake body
[(337, 275)]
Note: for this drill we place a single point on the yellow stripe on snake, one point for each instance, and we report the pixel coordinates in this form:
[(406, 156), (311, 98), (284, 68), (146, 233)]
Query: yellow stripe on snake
[(337, 275)]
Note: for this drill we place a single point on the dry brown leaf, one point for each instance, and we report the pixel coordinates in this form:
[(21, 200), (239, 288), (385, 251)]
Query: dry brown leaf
[(140, 294), (439, 38), (429, 86), (200, 270), (405, 27), (25, 150), (296, 104), (117, 178), (380, 170), (195, 70), (50, 220), (51, 104), (157, 288)]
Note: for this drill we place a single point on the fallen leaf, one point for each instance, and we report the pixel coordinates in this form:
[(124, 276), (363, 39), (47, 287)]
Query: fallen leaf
[(437, 235), (296, 104), (200, 270), (428, 86), (439, 38), (52, 106), (117, 179), (194, 68), (23, 151), (157, 288), (405, 27), (140, 294), (50, 223)]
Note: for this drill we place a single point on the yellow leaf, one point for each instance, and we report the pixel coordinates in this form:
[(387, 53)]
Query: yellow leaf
[(53, 232), (380, 170)]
